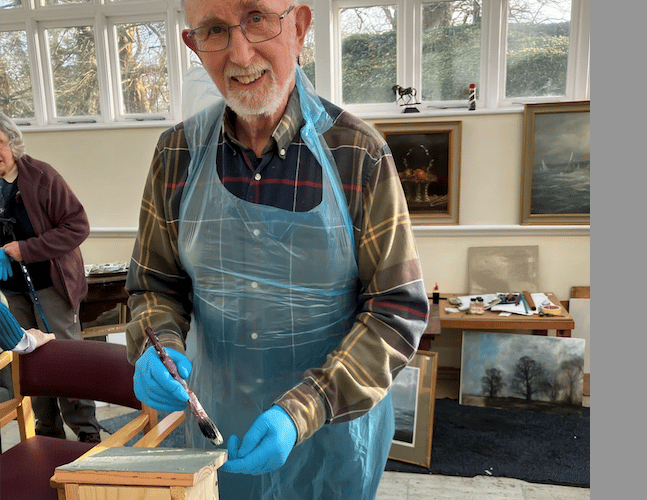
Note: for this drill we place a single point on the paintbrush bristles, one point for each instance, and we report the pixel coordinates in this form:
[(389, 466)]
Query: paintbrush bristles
[(207, 427)]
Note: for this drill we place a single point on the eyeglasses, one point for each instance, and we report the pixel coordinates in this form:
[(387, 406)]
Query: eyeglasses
[(256, 29)]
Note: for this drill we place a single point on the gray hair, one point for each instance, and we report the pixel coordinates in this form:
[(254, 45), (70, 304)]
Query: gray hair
[(13, 133)]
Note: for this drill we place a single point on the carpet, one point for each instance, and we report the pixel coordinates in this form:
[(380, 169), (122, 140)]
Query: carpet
[(537, 447), (470, 441)]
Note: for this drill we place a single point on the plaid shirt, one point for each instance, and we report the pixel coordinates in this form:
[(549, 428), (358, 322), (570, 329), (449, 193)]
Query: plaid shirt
[(392, 302)]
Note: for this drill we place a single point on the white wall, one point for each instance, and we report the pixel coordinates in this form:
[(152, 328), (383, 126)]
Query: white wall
[(107, 168)]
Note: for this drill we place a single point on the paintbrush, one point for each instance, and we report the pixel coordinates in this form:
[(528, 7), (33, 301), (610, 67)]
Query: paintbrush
[(207, 427)]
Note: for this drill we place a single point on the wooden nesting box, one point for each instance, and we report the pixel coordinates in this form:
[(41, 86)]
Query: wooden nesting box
[(143, 473)]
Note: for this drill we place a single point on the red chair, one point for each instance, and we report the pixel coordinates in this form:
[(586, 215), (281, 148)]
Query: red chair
[(81, 369)]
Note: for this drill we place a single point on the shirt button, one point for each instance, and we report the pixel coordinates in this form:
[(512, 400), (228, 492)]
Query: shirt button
[(282, 153), (257, 177), (256, 232), (254, 336), (254, 284)]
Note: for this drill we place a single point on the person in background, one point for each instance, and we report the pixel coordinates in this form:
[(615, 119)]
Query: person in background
[(275, 261), (42, 225)]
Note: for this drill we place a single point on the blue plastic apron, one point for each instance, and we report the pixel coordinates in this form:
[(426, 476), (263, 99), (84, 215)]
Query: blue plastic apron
[(274, 292)]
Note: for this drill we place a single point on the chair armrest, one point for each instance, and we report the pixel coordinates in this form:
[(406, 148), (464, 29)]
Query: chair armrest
[(121, 437), (157, 434), (5, 358), (8, 411)]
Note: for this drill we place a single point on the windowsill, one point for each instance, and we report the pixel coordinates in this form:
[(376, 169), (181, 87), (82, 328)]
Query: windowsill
[(426, 111), (434, 111)]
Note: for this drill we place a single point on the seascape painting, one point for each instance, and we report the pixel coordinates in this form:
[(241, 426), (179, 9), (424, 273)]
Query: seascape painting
[(530, 372), (556, 181), (405, 402), (562, 164), (413, 394)]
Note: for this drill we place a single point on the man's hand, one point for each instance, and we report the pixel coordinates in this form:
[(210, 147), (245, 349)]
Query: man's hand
[(155, 386), (5, 266), (266, 445)]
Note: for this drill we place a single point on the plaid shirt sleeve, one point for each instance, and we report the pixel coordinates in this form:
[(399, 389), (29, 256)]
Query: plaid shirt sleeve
[(159, 287), (394, 307)]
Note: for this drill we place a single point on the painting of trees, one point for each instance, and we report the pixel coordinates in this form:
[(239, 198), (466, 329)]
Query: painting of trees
[(524, 371)]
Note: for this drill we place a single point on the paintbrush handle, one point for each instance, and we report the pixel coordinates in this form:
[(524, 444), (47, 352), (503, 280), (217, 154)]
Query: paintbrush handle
[(529, 301), (165, 358)]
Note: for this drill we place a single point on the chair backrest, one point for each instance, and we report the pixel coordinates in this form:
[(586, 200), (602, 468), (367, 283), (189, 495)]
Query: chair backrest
[(82, 369)]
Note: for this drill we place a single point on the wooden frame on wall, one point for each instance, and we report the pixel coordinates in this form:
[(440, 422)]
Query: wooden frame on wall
[(556, 176), (427, 156), (414, 400)]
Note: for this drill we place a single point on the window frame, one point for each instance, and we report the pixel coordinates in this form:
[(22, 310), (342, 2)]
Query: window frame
[(33, 18)]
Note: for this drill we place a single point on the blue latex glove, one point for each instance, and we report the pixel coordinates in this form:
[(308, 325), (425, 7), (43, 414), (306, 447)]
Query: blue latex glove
[(5, 266), (155, 386), (266, 445)]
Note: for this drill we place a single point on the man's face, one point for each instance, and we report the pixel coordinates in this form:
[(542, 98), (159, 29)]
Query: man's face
[(254, 78)]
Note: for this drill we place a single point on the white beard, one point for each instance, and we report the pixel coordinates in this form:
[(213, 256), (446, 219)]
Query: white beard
[(248, 105)]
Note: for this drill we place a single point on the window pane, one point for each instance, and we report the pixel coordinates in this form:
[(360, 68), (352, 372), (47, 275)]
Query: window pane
[(10, 4), (451, 49), (74, 71), (368, 54), (62, 2), (537, 51), (16, 97), (142, 64)]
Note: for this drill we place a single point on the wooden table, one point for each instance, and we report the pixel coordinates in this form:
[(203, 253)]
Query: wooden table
[(539, 325), (105, 292)]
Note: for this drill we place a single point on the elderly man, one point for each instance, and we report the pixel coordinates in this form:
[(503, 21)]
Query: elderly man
[(276, 221)]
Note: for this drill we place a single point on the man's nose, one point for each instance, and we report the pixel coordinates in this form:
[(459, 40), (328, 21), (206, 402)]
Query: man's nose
[(240, 49)]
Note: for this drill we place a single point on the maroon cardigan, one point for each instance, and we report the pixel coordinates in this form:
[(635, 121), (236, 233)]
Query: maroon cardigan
[(60, 223)]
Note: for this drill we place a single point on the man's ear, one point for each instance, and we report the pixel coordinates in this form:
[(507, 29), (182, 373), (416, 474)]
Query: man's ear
[(189, 42), (303, 18)]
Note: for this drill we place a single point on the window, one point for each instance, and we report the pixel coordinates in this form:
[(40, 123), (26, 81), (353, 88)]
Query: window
[(16, 95), (451, 49), (537, 50), (122, 61), (73, 66), (368, 48), (143, 68)]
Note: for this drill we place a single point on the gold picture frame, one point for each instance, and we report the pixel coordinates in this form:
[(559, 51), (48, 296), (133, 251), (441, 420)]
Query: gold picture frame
[(414, 400), (428, 157), (556, 176)]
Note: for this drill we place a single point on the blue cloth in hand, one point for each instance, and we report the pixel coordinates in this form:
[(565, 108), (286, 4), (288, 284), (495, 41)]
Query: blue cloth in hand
[(5, 266), (266, 445), (155, 386)]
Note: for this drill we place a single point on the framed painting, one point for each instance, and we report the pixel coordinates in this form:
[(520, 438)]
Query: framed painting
[(414, 399), (427, 156), (522, 372), (556, 178)]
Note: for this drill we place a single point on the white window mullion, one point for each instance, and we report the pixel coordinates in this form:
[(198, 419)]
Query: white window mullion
[(104, 68), (327, 66), (493, 47), (46, 78), (413, 45), (174, 48), (578, 72), (36, 72)]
